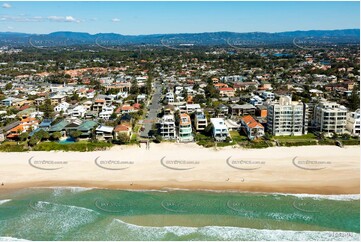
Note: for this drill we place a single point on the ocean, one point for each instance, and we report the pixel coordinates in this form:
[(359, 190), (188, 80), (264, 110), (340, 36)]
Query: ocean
[(99, 214)]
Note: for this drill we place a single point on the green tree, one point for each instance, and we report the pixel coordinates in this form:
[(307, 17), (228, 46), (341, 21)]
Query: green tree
[(23, 136), (8, 86), (47, 108), (33, 141), (123, 138), (75, 134), (354, 100), (134, 88), (56, 136)]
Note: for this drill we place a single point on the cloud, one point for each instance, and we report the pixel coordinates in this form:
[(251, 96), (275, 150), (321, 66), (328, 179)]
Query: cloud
[(115, 20), (63, 19), (22, 18), (6, 5)]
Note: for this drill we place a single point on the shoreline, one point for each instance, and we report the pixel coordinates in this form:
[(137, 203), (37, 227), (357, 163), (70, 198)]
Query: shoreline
[(188, 167)]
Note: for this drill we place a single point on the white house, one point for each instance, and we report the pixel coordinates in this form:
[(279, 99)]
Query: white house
[(79, 111), (219, 129), (61, 107), (104, 132), (106, 112)]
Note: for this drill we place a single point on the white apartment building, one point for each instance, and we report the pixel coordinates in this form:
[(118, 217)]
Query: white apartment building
[(353, 122), (330, 117), (167, 127), (287, 118), (219, 130)]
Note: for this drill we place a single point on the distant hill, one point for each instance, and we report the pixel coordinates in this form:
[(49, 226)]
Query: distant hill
[(311, 37)]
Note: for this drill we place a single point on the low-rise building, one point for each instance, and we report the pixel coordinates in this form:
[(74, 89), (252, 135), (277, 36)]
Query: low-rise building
[(167, 127), (185, 128), (219, 129), (244, 109), (104, 132), (252, 128), (200, 120)]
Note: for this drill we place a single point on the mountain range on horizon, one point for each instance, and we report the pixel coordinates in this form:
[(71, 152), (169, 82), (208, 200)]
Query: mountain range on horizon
[(67, 38)]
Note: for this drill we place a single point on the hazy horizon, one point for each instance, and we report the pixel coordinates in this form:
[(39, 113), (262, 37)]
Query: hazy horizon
[(145, 18)]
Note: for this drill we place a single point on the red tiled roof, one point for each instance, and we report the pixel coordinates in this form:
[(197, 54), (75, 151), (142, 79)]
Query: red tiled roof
[(121, 127), (251, 122)]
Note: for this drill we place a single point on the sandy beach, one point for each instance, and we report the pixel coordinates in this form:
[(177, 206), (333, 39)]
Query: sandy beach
[(308, 169)]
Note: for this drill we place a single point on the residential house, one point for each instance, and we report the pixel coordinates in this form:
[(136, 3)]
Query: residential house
[(56, 99), (226, 92), (86, 128), (200, 120), (256, 100), (61, 107), (252, 128), (219, 129), (78, 111), (98, 105), (104, 132), (244, 109), (106, 112), (11, 101), (123, 129), (268, 96)]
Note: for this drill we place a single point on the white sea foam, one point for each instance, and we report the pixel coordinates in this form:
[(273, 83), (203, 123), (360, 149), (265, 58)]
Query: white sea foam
[(235, 233), (343, 197), (72, 189), (340, 197), (11, 239), (4, 201)]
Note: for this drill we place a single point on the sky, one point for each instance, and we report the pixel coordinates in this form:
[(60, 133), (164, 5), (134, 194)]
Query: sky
[(134, 18)]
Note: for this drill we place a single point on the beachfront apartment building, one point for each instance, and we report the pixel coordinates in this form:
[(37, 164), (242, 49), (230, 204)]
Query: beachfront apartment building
[(286, 117), (219, 129), (200, 120), (185, 128), (167, 127), (353, 122), (330, 117)]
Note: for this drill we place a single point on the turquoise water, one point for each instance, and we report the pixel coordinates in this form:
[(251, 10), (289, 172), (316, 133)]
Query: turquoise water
[(94, 214), (67, 141)]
